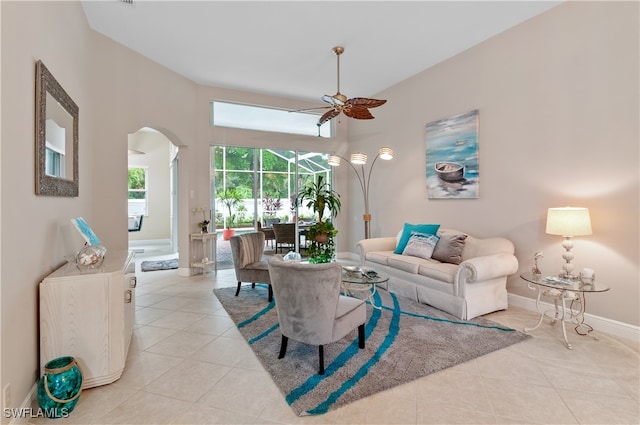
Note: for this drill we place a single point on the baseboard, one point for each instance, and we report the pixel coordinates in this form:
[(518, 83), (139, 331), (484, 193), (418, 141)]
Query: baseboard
[(185, 271), (141, 242), (601, 324)]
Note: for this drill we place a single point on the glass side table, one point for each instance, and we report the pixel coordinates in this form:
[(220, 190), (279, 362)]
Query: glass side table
[(562, 290), (353, 279)]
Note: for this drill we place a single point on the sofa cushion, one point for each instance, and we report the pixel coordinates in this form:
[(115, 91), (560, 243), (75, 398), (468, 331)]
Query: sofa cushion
[(379, 257), (406, 233), (405, 263), (420, 245), (449, 248), (444, 272)]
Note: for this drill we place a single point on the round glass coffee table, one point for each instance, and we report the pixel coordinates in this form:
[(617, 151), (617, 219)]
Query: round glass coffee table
[(357, 279)]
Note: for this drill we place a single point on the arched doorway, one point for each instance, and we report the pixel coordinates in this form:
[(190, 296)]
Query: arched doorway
[(152, 194)]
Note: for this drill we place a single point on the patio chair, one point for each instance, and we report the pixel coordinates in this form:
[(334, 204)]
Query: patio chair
[(269, 235), (135, 223), (285, 235), (247, 250), (310, 307), (268, 222)]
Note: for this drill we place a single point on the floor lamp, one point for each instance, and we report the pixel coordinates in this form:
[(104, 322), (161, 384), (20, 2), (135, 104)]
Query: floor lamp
[(359, 158)]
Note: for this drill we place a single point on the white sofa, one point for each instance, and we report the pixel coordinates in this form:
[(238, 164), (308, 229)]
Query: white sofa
[(472, 288)]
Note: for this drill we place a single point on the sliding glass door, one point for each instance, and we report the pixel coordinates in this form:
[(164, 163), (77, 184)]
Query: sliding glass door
[(253, 187)]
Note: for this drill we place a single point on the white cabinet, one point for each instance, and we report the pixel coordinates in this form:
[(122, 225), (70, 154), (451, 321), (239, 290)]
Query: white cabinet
[(206, 257), (89, 315)]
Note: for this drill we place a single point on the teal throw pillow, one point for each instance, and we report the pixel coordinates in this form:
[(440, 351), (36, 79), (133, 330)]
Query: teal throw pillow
[(430, 229), (421, 245)]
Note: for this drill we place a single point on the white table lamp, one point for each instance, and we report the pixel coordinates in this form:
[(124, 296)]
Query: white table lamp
[(568, 222)]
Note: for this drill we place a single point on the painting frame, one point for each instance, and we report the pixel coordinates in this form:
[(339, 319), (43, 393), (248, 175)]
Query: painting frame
[(452, 162)]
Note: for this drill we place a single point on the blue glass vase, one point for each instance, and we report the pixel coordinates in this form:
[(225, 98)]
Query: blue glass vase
[(60, 387)]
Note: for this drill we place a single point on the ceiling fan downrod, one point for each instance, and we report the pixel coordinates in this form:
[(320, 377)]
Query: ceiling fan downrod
[(338, 50)]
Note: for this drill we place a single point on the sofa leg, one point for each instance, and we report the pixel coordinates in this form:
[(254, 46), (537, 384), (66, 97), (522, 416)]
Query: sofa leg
[(253, 284), (321, 355), (361, 336), (283, 346), (238, 290), (270, 293)]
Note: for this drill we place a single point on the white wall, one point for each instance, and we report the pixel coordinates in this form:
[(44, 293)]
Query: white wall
[(558, 125), (36, 232)]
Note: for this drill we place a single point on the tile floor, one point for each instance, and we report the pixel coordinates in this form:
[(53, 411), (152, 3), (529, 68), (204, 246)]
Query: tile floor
[(189, 365)]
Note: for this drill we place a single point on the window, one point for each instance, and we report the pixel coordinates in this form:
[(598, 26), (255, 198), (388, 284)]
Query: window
[(267, 180), (54, 162), (137, 202), (251, 117)]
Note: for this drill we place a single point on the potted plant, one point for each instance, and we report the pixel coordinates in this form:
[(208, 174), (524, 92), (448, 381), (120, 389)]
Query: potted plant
[(270, 205), (320, 197), (231, 199), (204, 224)]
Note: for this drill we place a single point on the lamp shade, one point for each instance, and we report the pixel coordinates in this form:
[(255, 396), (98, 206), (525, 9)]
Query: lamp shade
[(568, 221), (333, 160), (386, 153), (358, 158)]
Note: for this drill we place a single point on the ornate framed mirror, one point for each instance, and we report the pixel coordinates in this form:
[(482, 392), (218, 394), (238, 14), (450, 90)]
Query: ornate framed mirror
[(56, 137)]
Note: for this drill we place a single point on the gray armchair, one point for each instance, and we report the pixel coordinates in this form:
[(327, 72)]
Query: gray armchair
[(247, 250), (310, 307)]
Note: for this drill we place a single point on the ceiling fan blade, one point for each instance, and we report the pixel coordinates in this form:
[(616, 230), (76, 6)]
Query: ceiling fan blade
[(366, 102), (310, 109), (334, 100), (327, 116), (358, 112)]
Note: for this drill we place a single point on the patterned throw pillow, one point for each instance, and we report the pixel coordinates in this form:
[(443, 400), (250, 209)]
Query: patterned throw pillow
[(406, 234), (421, 245)]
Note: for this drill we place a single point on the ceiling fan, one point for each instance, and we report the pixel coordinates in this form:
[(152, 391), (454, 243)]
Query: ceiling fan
[(357, 107)]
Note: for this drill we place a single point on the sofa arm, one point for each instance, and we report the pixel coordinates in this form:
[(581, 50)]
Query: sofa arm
[(375, 244), (486, 267)]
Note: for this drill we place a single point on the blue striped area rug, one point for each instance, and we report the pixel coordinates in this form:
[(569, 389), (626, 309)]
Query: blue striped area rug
[(405, 340)]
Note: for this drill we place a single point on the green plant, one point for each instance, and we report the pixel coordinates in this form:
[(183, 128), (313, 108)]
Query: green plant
[(231, 199), (322, 248), (319, 196)]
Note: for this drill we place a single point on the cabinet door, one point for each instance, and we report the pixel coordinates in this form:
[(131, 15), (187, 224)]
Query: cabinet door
[(75, 320)]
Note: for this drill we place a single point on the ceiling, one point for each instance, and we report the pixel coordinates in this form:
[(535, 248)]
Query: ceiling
[(285, 48)]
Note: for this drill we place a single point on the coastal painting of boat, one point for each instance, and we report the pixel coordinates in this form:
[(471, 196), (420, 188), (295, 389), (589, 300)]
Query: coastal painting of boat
[(449, 171), (452, 170)]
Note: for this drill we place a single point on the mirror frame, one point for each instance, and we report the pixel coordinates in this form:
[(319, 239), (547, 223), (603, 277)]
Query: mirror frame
[(47, 185)]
